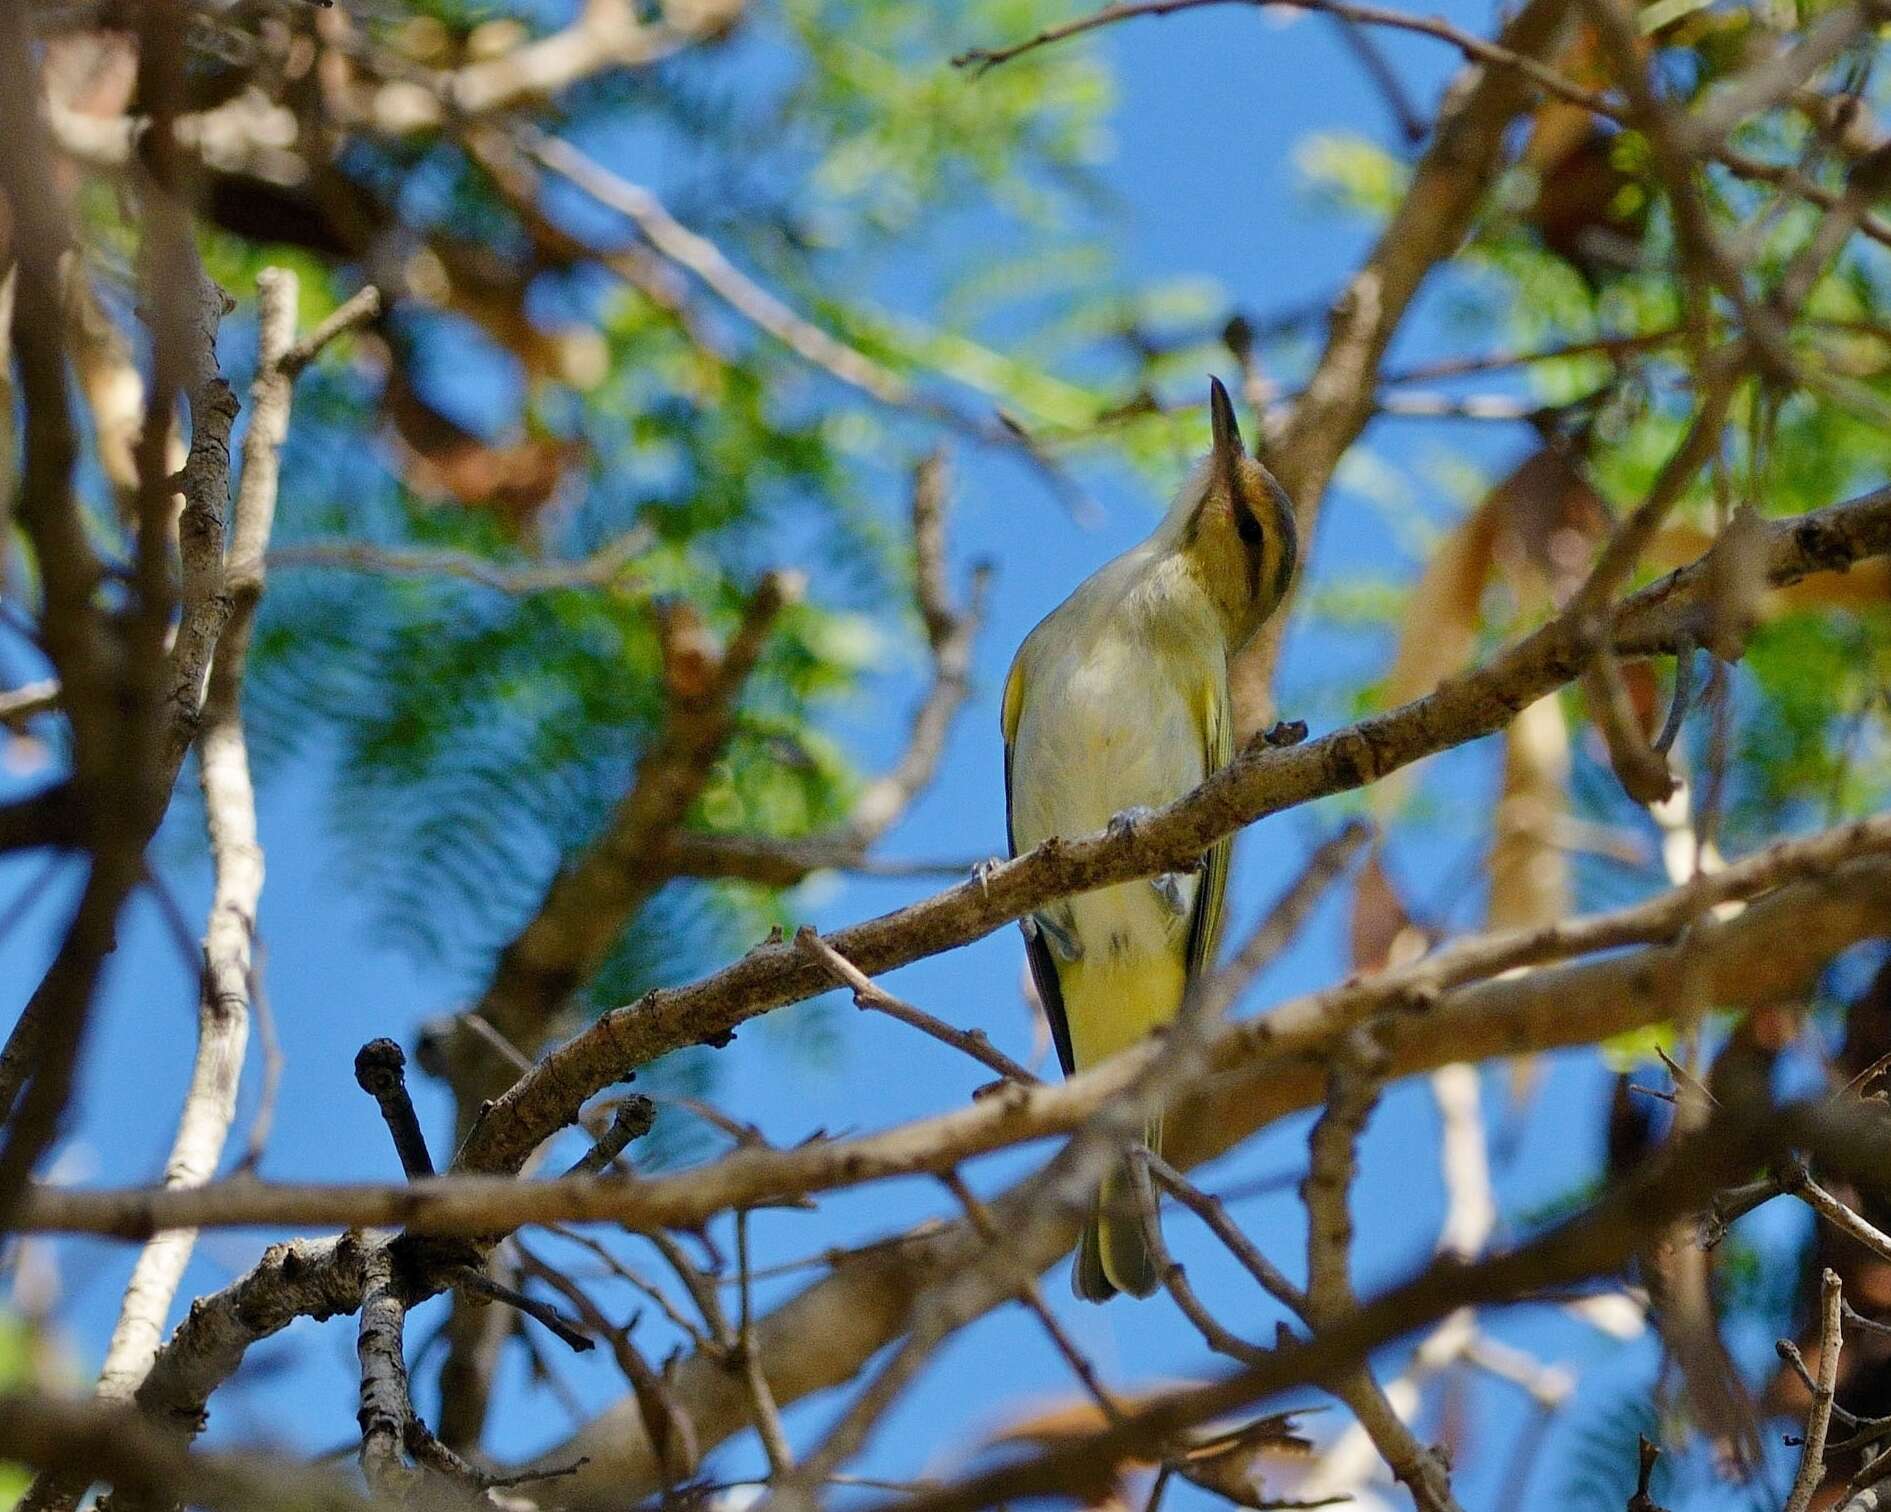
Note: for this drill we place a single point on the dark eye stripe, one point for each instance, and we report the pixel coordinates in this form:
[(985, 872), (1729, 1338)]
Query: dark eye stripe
[(1247, 525)]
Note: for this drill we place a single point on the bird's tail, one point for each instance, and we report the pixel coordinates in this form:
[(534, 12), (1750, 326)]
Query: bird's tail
[(1113, 1255)]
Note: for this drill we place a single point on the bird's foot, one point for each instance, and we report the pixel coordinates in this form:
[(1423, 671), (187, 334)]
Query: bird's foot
[(1063, 938), (1168, 887), (1125, 823), (983, 870)]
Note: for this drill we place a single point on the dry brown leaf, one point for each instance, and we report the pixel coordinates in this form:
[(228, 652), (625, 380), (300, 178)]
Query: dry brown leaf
[(691, 657), (1588, 210), (491, 291), (1442, 612), (110, 380), (91, 72), (1866, 585), (1231, 1463), (1228, 1461), (1528, 867), (1644, 695), (1529, 870), (445, 461), (1382, 930), (1550, 521), (1536, 530), (1578, 210)]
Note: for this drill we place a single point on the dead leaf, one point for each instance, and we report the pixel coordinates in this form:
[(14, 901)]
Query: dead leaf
[(1226, 1460), (1383, 932), (1550, 521), (1589, 210), (1230, 1463), (444, 461), (1529, 869), (691, 656)]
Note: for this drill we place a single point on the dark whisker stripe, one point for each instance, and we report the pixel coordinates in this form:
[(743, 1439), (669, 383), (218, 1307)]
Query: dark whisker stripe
[(1286, 532), (1247, 525)]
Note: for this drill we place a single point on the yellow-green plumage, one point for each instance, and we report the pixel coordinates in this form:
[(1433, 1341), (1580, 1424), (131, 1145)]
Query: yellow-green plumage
[(1119, 701)]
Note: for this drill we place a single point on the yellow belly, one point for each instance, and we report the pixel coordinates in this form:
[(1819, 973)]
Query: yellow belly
[(1113, 1003)]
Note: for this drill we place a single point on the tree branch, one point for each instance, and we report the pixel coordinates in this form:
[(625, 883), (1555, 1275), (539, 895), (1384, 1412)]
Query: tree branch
[(1475, 987), (1811, 1471)]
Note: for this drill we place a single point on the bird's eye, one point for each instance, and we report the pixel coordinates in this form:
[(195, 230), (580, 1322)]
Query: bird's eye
[(1247, 524)]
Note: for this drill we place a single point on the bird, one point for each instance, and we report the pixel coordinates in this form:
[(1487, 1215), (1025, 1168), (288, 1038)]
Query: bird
[(1116, 704)]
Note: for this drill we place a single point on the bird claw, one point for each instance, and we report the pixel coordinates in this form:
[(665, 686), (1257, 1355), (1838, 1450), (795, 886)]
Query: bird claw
[(982, 871), (1064, 942), (1125, 823), (1168, 887)]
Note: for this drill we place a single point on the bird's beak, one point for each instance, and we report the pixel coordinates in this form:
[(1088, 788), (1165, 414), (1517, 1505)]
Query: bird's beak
[(1228, 448)]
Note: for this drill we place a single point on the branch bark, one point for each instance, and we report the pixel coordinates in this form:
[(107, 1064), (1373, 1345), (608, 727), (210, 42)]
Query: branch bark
[(1480, 987)]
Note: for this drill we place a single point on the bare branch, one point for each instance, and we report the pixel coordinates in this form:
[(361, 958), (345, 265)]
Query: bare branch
[(974, 1042), (1765, 954), (950, 632), (1595, 1241), (1471, 989), (1475, 49), (701, 257), (767, 1415), (588, 903), (608, 566), (358, 309), (1811, 1472), (119, 1444), (385, 1408), (1800, 1183), (1032, 1295), (380, 1071)]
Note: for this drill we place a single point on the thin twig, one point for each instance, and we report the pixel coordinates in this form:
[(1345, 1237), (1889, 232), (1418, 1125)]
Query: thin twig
[(1811, 1472), (632, 1118), (553, 1321), (1847, 864), (385, 1405), (1032, 1296), (671, 1432), (706, 261), (1799, 1182), (767, 1415), (358, 309), (1473, 47), (610, 565), (868, 994), (380, 1071)]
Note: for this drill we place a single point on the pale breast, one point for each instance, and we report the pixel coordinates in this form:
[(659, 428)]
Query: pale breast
[(1098, 733), (1103, 728)]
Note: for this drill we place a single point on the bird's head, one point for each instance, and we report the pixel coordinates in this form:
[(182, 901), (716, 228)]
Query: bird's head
[(1237, 527)]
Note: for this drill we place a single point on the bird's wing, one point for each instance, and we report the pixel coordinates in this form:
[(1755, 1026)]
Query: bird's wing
[(1050, 991), (1217, 751)]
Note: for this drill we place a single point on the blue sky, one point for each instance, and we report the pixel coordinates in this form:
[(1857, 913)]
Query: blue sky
[(1212, 107)]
